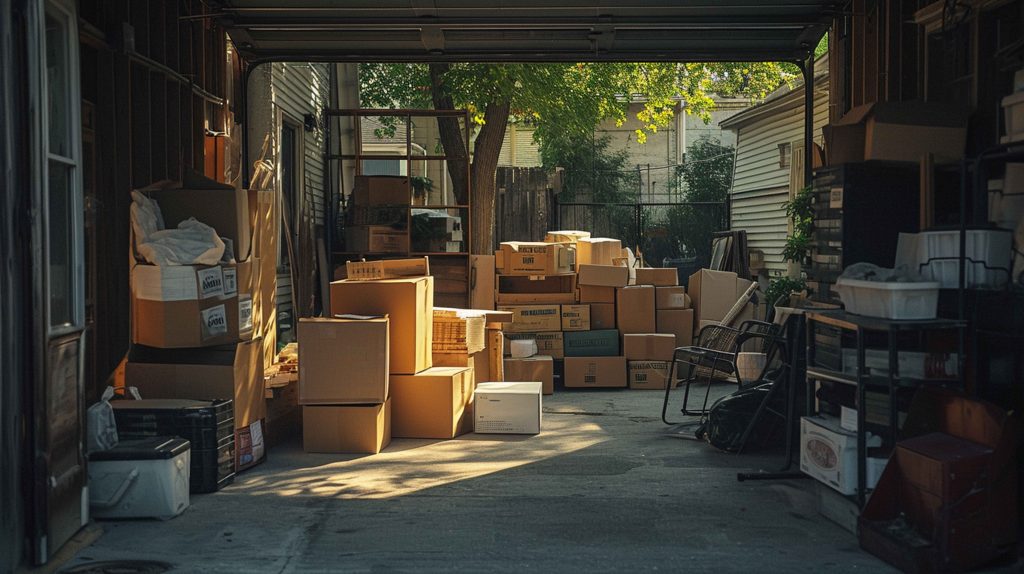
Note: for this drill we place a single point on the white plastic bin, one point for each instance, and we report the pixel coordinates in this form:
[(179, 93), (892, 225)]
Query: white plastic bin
[(988, 253), (144, 478), (916, 300)]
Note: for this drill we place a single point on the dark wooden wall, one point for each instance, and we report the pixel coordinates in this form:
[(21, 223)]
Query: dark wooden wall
[(521, 212), (153, 79)]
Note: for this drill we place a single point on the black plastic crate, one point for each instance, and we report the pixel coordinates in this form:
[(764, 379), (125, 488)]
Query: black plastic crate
[(203, 423), (212, 469)]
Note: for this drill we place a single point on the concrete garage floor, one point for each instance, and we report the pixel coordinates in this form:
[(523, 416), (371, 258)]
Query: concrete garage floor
[(601, 489)]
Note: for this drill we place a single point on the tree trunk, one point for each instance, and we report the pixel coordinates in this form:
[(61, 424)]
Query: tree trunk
[(485, 164), (452, 138)]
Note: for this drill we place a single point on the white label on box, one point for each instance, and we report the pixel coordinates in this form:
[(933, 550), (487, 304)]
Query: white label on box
[(211, 282), (835, 198), (215, 321), (230, 281), (677, 300), (244, 313)]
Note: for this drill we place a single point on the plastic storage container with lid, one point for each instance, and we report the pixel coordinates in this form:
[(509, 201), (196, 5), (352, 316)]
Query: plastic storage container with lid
[(145, 478), (890, 300)]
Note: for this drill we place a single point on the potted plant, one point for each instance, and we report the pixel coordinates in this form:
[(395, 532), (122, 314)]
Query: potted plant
[(800, 211), (421, 186)]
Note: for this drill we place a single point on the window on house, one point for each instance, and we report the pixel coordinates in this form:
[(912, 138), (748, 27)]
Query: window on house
[(785, 151)]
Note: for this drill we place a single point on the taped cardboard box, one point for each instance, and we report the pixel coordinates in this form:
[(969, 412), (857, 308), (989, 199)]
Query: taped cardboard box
[(671, 298), (597, 250), (508, 408), (533, 318), (185, 306), (897, 131), (408, 303), (603, 343), (678, 322), (521, 290), (343, 361), (549, 343), (346, 429), (595, 372), (657, 276), (648, 347), (231, 371), (648, 375), (478, 363), (387, 269), (634, 312), (381, 190), (602, 275), (593, 294), (534, 258), (481, 281), (713, 293), (576, 317), (435, 403), (539, 368), (218, 205), (602, 316), (376, 239)]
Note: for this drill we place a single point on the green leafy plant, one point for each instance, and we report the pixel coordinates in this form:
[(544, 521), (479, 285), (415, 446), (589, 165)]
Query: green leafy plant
[(800, 211), (421, 185), (780, 289)]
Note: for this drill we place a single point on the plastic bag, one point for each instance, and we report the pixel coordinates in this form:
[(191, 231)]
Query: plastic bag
[(191, 243), (872, 272), (102, 427)]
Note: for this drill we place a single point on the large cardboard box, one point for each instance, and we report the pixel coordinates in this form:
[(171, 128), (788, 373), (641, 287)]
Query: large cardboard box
[(602, 275), (512, 407), (594, 294), (565, 236), (713, 293), (343, 361), (408, 303), (549, 343), (829, 454), (346, 429), (602, 316), (634, 311), (230, 372), (533, 258), (495, 351), (521, 290), (897, 131), (671, 298), (595, 372), (678, 322), (218, 205), (648, 347), (387, 269), (478, 363), (435, 403), (381, 190), (657, 276), (591, 343), (576, 317), (597, 250), (648, 375), (533, 318), (376, 239), (184, 306), (540, 368), (481, 281)]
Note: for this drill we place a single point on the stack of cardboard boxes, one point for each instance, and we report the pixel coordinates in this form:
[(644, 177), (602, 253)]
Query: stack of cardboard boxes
[(196, 329)]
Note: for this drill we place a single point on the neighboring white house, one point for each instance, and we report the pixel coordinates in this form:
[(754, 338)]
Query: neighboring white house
[(769, 164)]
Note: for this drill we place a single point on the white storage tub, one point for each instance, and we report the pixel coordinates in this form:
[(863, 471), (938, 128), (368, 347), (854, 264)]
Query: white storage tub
[(915, 300), (988, 253), (145, 478)]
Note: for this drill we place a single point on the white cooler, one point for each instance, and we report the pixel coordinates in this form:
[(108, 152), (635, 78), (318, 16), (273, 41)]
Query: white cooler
[(146, 478)]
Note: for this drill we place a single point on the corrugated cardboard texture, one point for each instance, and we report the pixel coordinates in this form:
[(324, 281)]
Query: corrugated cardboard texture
[(409, 303), (349, 429), (602, 275), (576, 317), (712, 293), (539, 368), (671, 298), (661, 277), (565, 236), (481, 281), (648, 375), (495, 351), (602, 316), (533, 258), (678, 322), (597, 250), (533, 318), (436, 403), (343, 362), (551, 343), (635, 309), (184, 324), (263, 207), (519, 290), (381, 190), (591, 343), (592, 294), (233, 372), (593, 372), (648, 347)]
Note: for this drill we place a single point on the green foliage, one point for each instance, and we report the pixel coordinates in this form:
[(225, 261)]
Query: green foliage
[(707, 172), (421, 184), (780, 288), (707, 175), (800, 211), (594, 173)]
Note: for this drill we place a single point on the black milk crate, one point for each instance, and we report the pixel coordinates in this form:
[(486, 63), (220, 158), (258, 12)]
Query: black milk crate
[(213, 468), (203, 423)]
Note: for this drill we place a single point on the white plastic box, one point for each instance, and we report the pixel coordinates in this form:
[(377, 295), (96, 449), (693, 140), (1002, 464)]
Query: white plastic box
[(916, 300), (988, 252), (829, 454), (1013, 116), (145, 478), (507, 408)]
